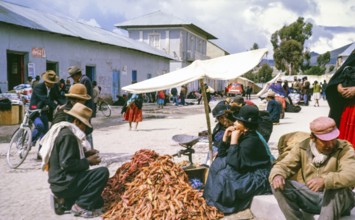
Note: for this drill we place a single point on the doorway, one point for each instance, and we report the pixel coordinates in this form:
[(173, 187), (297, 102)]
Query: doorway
[(52, 66), (15, 69), (116, 84), (90, 72)]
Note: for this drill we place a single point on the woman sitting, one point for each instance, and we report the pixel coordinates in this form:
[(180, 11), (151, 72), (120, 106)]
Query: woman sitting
[(242, 166)]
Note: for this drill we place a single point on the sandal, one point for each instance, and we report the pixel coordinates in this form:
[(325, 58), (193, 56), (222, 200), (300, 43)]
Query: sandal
[(78, 211)]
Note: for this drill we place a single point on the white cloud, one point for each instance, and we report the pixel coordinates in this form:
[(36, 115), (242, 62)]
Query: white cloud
[(237, 24)]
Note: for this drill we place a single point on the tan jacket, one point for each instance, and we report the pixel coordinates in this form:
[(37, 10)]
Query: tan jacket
[(338, 171)]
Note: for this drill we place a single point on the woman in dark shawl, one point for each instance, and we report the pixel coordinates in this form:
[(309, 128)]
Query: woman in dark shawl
[(340, 94), (241, 168)]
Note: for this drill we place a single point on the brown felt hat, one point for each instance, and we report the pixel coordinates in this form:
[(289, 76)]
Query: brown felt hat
[(50, 77), (78, 91), (81, 112)]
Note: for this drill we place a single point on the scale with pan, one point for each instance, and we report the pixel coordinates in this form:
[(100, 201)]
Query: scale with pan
[(188, 141)]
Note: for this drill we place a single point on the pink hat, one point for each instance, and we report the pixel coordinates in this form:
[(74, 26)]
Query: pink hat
[(324, 128)]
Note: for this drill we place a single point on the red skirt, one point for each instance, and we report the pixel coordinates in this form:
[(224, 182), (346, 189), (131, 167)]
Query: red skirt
[(133, 114), (347, 124)]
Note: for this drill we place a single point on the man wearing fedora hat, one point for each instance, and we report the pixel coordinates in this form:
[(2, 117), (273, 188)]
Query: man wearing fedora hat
[(327, 166), (67, 159), (76, 74), (77, 93), (45, 96)]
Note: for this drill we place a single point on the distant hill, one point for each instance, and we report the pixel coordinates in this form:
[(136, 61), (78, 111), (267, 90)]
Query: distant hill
[(333, 55)]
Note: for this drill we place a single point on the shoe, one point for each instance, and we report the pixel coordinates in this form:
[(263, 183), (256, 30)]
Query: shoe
[(78, 211), (57, 204), (38, 157)]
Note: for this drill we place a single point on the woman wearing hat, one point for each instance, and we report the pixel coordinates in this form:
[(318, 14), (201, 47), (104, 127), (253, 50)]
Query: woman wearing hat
[(45, 96), (242, 166), (224, 119)]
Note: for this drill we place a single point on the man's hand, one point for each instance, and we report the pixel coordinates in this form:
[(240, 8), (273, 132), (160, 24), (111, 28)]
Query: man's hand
[(316, 184), (278, 182), (88, 153), (94, 159)]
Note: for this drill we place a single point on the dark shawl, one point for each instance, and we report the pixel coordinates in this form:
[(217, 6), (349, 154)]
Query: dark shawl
[(335, 100)]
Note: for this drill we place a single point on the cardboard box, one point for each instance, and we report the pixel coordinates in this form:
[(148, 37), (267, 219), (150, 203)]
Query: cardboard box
[(13, 116), (200, 173)]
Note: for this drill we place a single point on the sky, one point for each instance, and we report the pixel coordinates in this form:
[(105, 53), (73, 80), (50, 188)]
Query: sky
[(237, 24)]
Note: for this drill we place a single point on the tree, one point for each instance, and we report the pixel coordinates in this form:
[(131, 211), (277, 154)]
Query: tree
[(255, 46), (323, 59), (288, 44), (264, 74)]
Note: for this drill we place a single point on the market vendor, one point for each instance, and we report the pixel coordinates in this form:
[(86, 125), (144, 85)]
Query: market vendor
[(75, 187), (242, 166)]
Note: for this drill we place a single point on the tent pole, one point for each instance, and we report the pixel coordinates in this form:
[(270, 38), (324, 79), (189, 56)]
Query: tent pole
[(205, 103)]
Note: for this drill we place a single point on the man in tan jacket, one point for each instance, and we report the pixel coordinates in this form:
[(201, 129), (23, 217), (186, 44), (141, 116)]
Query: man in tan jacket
[(327, 167)]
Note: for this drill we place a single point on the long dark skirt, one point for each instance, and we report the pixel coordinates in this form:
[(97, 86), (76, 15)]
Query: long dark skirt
[(231, 191)]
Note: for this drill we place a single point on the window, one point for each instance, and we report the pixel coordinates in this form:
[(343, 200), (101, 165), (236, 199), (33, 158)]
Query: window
[(149, 75), (154, 40), (134, 75)]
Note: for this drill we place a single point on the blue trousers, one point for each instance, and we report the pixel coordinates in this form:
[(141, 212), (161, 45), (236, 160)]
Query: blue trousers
[(41, 128)]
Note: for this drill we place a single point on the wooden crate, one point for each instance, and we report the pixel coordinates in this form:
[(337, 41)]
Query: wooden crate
[(11, 117)]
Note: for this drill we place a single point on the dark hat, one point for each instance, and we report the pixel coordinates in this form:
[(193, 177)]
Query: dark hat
[(248, 114), (220, 109), (324, 128), (73, 70), (239, 100)]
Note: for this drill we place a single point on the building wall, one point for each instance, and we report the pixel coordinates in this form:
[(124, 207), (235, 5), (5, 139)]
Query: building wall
[(177, 42), (67, 51)]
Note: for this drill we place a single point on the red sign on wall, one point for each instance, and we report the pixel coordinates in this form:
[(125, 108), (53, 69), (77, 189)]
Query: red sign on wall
[(38, 52)]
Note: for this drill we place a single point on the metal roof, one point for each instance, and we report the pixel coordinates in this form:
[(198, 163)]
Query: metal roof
[(33, 19), (160, 19)]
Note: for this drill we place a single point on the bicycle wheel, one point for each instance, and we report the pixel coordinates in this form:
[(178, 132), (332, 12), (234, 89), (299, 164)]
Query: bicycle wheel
[(105, 109), (19, 147)]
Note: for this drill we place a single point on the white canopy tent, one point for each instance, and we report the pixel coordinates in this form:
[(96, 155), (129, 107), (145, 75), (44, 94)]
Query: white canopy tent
[(221, 68)]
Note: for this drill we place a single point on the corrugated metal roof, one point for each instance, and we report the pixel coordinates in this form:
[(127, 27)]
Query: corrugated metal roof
[(161, 19), (30, 18), (348, 51)]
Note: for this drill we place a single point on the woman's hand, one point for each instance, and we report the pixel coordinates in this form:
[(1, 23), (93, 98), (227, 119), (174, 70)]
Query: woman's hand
[(346, 92), (235, 136), (349, 92), (228, 133)]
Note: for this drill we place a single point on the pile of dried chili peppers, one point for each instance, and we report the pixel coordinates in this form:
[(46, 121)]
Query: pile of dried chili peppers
[(154, 187)]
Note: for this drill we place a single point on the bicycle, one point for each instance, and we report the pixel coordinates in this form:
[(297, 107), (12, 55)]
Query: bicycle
[(104, 107), (21, 141)]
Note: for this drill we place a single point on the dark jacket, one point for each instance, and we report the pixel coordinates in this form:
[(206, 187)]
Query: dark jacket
[(89, 89), (274, 109), (65, 163), (40, 98), (238, 173), (174, 91)]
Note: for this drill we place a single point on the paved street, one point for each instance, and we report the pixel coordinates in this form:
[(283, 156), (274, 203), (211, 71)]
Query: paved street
[(24, 192)]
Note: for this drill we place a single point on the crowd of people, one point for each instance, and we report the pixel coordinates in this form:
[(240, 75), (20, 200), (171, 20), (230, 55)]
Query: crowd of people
[(241, 165)]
